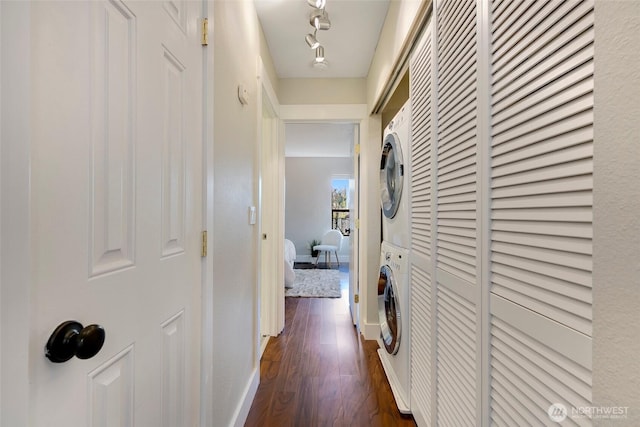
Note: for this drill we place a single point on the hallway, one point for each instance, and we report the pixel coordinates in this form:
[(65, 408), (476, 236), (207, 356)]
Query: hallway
[(317, 372)]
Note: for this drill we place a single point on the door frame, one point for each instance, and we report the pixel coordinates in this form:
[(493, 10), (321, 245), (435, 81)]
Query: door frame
[(354, 236), (15, 209), (15, 202), (270, 268), (207, 387), (355, 114)]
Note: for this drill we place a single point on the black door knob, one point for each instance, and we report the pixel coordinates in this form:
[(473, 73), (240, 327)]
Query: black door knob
[(72, 339)]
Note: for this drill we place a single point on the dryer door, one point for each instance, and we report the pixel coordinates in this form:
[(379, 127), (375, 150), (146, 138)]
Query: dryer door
[(389, 310), (391, 175)]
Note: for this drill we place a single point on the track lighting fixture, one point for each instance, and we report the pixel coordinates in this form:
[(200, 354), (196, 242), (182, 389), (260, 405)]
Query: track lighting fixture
[(322, 65), (311, 40), (318, 4), (319, 19)]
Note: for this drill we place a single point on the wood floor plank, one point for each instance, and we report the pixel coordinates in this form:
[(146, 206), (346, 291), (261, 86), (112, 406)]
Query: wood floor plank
[(319, 372)]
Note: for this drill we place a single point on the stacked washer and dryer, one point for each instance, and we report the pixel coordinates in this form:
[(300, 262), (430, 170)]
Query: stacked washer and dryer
[(393, 281)]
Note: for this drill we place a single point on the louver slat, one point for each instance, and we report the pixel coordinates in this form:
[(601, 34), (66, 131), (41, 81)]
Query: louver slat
[(532, 371), (541, 209), (421, 361), (457, 150), (456, 359), (456, 207), (542, 160), (420, 93), (421, 89)]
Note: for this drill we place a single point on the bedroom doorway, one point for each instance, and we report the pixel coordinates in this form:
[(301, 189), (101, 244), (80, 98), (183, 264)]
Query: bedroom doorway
[(269, 221), (357, 116), (321, 195)]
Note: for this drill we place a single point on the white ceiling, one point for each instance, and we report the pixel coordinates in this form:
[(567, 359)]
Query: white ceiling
[(318, 140), (349, 45)]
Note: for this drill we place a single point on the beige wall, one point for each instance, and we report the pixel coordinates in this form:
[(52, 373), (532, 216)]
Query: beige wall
[(395, 30), (616, 258), (308, 199), (267, 61), (237, 47), (322, 91)]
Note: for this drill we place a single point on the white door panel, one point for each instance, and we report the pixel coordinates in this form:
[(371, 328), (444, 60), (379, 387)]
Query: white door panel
[(116, 214)]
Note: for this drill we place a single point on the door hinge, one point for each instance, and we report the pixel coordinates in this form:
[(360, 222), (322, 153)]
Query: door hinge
[(356, 298), (204, 244), (357, 149), (358, 223), (205, 32)]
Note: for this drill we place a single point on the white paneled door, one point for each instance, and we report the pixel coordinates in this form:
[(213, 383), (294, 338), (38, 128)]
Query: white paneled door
[(116, 210)]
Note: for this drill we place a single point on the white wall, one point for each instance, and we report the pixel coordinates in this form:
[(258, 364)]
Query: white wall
[(308, 200), (236, 44), (267, 62), (395, 30), (322, 91), (15, 268), (398, 22), (616, 240)]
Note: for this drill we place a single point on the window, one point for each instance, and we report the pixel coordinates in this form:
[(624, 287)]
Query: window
[(340, 205)]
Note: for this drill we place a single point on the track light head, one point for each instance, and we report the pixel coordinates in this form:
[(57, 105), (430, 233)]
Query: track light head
[(311, 40), (319, 19), (320, 54), (318, 4)]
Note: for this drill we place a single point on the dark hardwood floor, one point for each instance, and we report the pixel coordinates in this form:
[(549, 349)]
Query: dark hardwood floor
[(318, 372)]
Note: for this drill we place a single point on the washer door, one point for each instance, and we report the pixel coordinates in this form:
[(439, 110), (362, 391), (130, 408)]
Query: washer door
[(391, 175), (389, 310)]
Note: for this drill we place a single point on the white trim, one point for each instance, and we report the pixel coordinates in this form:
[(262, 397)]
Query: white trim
[(242, 410), (370, 331), (562, 339), (263, 345), (433, 266), (354, 235), (207, 349), (483, 269), (347, 113), (369, 245), (15, 203), (270, 283)]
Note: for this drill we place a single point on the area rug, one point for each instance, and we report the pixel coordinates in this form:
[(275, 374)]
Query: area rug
[(316, 283)]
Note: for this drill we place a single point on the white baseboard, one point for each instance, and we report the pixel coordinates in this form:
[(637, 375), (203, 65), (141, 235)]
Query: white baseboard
[(370, 331), (263, 345), (242, 411)]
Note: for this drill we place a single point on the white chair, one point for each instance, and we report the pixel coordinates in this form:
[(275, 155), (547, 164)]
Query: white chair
[(331, 242)]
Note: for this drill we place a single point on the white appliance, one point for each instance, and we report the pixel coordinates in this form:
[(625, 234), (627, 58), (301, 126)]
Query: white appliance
[(394, 178), (393, 310)]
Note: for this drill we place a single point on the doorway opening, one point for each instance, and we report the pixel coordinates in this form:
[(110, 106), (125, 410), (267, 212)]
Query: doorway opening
[(320, 194)]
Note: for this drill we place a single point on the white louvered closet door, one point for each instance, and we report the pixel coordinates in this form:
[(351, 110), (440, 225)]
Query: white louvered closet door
[(457, 237), (422, 116), (541, 209)]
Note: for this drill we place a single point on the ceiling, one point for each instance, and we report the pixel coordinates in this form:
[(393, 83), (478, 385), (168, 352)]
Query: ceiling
[(349, 45)]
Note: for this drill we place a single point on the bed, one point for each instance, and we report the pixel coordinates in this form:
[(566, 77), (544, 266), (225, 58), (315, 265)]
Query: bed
[(289, 259)]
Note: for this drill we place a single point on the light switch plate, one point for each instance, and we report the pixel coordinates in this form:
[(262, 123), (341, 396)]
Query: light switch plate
[(252, 215)]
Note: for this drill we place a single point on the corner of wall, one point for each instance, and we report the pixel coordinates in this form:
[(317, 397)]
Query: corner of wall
[(616, 223), (242, 410)]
